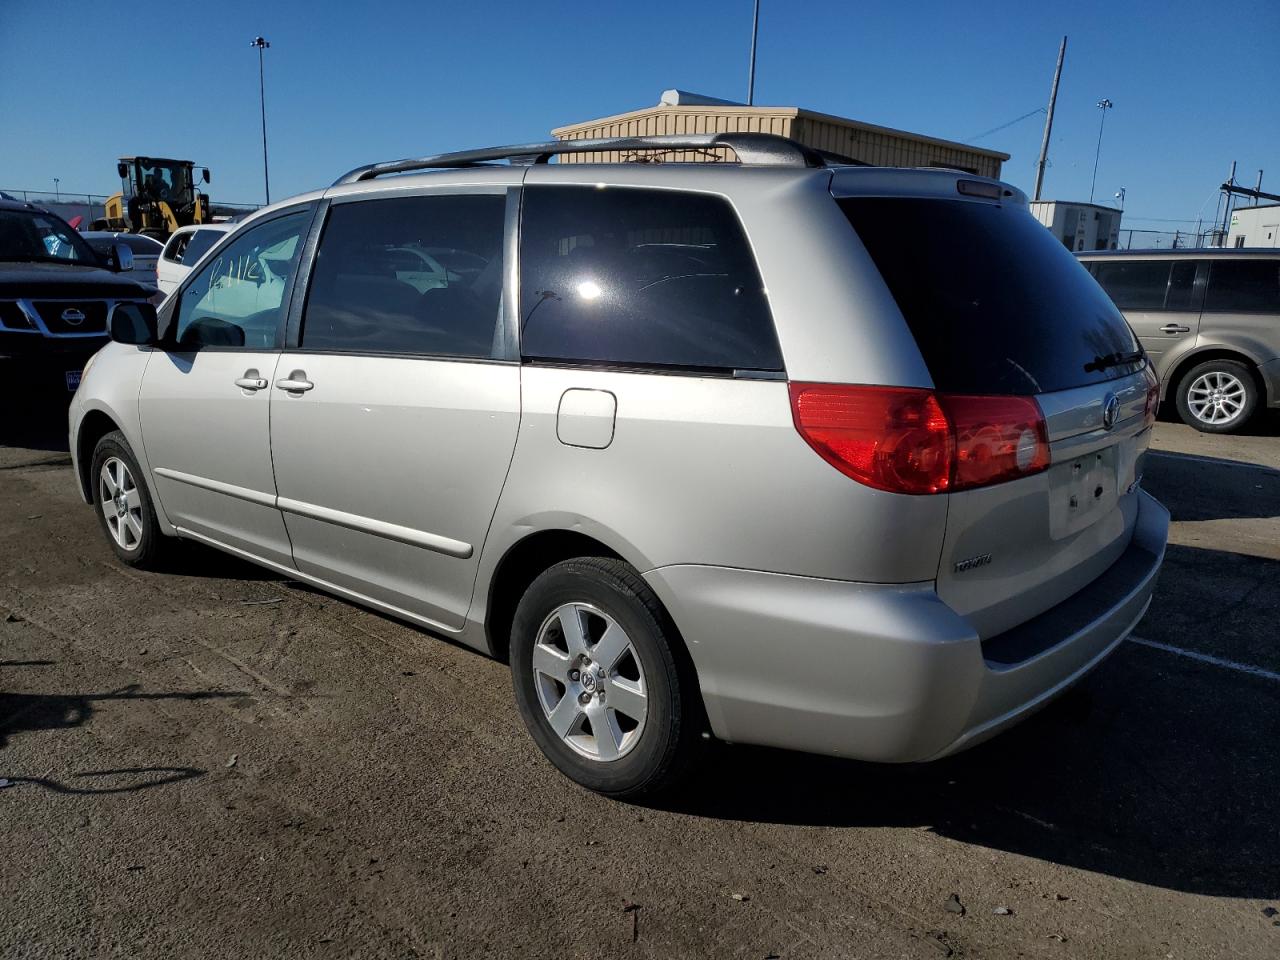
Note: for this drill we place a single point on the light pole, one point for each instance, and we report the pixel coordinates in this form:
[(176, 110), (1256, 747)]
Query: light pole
[(57, 195), (751, 73), (1104, 105), (1120, 198), (262, 44)]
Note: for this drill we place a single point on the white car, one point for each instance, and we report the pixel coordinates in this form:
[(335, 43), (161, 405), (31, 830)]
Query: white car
[(184, 249), (146, 251)]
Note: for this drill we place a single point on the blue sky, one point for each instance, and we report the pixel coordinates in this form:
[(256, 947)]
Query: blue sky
[(1195, 84)]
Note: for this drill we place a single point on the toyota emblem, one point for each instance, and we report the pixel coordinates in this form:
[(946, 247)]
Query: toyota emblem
[(72, 316), (1110, 410)]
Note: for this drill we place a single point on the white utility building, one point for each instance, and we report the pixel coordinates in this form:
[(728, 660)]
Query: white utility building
[(1080, 226), (1255, 226)]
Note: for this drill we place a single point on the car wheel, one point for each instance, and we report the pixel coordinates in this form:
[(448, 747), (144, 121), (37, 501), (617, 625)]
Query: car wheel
[(1218, 396), (125, 511), (600, 680)]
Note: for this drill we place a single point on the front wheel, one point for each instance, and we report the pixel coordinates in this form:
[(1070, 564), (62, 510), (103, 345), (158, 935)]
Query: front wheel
[(125, 510), (599, 680), (1218, 396)]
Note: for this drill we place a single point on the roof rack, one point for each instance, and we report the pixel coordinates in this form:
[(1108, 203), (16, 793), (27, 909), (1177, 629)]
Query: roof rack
[(756, 148)]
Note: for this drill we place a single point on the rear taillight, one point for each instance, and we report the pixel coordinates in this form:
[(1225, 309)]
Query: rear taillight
[(996, 438), (909, 440), (1153, 398)]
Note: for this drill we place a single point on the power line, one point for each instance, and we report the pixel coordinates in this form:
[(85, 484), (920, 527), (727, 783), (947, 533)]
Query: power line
[(1003, 125)]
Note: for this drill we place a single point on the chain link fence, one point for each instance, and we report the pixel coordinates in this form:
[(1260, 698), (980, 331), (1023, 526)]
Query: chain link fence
[(92, 206)]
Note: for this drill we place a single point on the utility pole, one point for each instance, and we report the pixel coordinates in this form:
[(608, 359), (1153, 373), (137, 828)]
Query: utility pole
[(751, 73), (1104, 105), (1226, 206), (262, 44), (1048, 120)]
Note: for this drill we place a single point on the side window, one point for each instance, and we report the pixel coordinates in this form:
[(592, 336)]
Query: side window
[(1182, 282), (237, 299), (417, 275), (177, 243), (1135, 284), (641, 277), (1244, 286)]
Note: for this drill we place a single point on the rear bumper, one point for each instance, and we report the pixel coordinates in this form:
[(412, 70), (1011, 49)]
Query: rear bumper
[(890, 672)]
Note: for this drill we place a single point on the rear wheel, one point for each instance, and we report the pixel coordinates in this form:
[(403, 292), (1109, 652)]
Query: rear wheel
[(125, 510), (1218, 396), (598, 681)]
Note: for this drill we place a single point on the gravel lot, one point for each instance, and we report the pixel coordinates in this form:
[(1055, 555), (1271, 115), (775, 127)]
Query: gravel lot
[(218, 762)]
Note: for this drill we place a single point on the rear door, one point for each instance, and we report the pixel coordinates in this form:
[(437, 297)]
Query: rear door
[(1159, 298), (999, 308), (394, 409), (1242, 306)]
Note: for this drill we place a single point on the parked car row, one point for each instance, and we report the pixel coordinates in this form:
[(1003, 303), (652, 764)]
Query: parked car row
[(1210, 322), (57, 295), (146, 251), (838, 459)]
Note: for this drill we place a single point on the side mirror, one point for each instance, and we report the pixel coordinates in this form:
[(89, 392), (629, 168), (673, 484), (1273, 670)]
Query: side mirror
[(134, 323), (123, 170), (121, 257), (206, 174)]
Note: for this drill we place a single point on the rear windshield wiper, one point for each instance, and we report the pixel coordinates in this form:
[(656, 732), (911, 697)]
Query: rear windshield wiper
[(1112, 360)]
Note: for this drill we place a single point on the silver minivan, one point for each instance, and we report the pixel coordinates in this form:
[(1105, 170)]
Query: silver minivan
[(1209, 321), (827, 457)]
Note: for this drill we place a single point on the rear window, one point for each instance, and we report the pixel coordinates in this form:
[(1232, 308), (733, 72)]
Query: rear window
[(1245, 286), (637, 277), (996, 304)]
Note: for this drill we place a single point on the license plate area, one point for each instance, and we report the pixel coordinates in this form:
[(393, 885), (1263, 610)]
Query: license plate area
[(1085, 488)]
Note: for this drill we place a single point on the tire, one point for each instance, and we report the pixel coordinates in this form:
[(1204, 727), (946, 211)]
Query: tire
[(553, 673), (1218, 396), (114, 470)]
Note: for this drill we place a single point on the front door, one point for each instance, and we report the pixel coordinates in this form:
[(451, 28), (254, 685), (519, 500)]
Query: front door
[(394, 414), (205, 400)]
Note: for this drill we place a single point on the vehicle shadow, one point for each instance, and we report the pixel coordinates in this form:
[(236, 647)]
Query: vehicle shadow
[(1265, 423), (1210, 488), (1157, 768), (192, 559), (36, 419), (29, 712)]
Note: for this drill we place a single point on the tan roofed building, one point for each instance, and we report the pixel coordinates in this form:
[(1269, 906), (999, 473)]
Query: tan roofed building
[(683, 113)]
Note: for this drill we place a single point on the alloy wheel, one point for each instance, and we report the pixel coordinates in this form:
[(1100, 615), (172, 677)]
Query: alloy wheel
[(1216, 397), (121, 503), (590, 682)]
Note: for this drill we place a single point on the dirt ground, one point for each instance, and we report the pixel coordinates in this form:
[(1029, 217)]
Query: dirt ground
[(215, 762)]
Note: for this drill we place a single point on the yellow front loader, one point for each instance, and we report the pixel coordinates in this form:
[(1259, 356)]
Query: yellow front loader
[(158, 197)]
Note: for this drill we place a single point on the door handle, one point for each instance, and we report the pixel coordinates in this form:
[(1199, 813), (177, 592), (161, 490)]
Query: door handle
[(1174, 328), (252, 380), (296, 382)]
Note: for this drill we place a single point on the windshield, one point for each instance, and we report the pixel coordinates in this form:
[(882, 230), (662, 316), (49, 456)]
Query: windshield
[(161, 180), (34, 236)]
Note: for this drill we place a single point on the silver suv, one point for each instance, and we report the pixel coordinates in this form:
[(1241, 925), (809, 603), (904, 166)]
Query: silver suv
[(1210, 322), (834, 458)]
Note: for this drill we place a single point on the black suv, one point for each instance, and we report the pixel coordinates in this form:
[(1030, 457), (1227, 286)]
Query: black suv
[(56, 296)]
